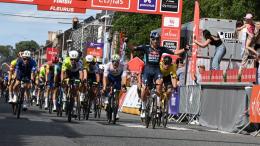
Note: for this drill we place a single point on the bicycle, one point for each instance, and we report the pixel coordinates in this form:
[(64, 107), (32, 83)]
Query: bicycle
[(112, 106), (41, 95), (21, 97), (73, 84), (152, 112), (59, 102)]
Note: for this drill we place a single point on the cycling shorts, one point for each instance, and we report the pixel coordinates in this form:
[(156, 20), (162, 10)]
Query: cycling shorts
[(151, 73), (115, 80)]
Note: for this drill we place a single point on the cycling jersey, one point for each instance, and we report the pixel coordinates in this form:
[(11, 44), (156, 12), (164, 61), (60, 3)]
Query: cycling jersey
[(23, 70), (152, 56), (42, 72), (120, 70), (152, 59), (66, 65), (171, 70)]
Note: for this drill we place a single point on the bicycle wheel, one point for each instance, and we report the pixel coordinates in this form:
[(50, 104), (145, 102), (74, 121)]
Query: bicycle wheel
[(109, 110), (165, 113), (115, 108), (99, 107), (70, 108), (19, 104), (78, 109), (154, 112), (148, 112), (88, 105), (95, 108)]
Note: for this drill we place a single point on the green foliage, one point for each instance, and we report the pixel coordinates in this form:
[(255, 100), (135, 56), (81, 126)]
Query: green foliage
[(26, 45), (5, 51), (222, 9), (136, 27)]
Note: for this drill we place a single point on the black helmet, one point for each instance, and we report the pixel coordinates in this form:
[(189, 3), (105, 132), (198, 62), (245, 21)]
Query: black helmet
[(167, 60)]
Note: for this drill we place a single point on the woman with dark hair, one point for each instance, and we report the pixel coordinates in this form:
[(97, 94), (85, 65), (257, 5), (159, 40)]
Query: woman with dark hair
[(220, 48)]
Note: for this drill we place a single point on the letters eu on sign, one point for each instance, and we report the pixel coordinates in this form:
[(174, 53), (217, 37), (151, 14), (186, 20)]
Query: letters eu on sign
[(170, 6), (149, 5)]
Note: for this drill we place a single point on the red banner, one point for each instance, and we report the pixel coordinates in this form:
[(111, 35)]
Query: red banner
[(248, 75), (205, 76), (254, 115), (217, 76), (61, 9), (50, 52), (195, 36), (32, 2), (135, 65), (97, 52), (232, 75)]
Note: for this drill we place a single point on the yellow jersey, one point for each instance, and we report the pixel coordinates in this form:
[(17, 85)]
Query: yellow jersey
[(171, 70)]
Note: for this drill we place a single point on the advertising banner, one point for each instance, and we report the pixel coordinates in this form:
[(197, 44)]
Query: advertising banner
[(32, 2), (95, 49), (232, 75), (50, 52), (147, 5), (118, 4), (254, 115), (248, 75), (172, 45), (174, 103), (205, 76), (171, 6), (135, 65), (65, 3), (195, 36), (217, 76), (61, 9)]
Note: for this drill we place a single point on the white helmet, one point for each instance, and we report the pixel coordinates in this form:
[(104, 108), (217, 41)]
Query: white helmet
[(73, 54), (89, 58), (26, 54)]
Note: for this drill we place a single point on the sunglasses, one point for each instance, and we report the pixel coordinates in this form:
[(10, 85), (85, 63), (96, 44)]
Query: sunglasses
[(25, 58), (113, 61), (153, 39)]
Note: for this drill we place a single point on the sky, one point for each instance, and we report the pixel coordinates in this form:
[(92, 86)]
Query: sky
[(14, 29)]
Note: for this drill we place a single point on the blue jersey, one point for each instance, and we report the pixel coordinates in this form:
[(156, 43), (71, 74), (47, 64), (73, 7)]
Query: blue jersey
[(22, 68)]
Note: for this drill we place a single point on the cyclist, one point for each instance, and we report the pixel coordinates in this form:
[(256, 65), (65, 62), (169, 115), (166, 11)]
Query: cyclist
[(25, 69), (57, 78), (12, 76), (153, 53), (49, 78), (72, 69), (114, 75), (168, 71), (92, 70)]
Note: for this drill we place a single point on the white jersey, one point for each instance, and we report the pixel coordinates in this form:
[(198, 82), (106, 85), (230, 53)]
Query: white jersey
[(109, 69)]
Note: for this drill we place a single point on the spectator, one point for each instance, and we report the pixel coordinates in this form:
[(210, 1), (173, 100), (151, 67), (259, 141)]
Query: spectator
[(248, 41), (181, 73), (201, 70), (220, 48)]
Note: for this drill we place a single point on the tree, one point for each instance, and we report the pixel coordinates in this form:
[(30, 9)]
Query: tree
[(135, 26), (222, 9), (26, 45)]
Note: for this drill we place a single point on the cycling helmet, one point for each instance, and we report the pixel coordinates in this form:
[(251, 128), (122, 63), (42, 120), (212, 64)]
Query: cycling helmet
[(73, 54), (26, 54), (154, 35), (99, 60), (54, 59), (167, 60), (115, 57), (89, 58)]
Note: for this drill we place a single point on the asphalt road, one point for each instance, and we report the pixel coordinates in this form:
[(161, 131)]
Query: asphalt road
[(39, 128)]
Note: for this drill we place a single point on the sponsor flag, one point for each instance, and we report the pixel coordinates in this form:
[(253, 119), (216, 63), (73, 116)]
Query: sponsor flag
[(195, 36)]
